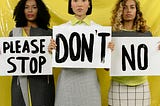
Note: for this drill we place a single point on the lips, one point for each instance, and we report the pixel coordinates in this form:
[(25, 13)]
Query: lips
[(128, 15), (79, 9), (30, 15)]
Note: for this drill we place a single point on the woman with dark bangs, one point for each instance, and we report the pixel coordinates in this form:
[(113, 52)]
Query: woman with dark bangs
[(78, 86), (128, 21), (32, 19)]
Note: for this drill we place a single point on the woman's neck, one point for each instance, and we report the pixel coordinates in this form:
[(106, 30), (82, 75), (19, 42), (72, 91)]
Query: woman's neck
[(28, 27), (80, 17), (32, 24), (128, 25)]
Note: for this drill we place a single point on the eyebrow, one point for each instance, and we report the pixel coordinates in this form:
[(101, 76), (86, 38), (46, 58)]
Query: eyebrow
[(130, 5), (30, 5)]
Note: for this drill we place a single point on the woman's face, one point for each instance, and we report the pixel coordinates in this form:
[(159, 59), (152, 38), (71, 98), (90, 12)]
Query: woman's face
[(31, 10), (80, 7), (129, 10)]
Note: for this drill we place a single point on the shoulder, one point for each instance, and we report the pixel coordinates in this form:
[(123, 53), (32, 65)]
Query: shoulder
[(94, 23), (47, 32), (11, 33), (40, 32), (66, 24), (15, 32), (131, 34), (148, 33)]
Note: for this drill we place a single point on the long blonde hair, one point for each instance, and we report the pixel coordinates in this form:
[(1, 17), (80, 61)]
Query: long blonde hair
[(117, 18)]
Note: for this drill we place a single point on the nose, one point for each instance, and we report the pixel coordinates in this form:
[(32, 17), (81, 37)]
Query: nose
[(79, 3), (129, 9), (30, 9)]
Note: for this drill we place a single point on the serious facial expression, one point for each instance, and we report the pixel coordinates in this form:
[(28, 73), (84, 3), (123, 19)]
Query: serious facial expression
[(129, 10), (80, 7), (31, 10)]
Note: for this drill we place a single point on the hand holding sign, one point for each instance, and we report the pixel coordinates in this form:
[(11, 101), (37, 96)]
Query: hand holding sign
[(52, 45), (111, 45), (158, 45)]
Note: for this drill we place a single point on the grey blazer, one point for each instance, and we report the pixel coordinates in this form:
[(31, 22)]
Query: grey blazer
[(33, 32), (41, 87)]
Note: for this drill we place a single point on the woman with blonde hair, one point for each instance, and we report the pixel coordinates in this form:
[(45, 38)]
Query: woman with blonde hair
[(128, 21)]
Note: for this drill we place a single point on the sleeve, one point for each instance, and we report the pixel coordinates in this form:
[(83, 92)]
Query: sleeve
[(49, 32), (149, 34), (11, 34)]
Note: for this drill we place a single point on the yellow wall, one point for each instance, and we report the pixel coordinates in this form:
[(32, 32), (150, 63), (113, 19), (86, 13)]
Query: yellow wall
[(101, 14)]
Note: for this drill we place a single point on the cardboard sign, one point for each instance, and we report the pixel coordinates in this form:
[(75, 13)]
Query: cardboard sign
[(81, 47), (135, 56), (25, 56)]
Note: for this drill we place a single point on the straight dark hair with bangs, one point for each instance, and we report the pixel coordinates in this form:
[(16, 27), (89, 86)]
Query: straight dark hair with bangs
[(70, 11), (43, 16)]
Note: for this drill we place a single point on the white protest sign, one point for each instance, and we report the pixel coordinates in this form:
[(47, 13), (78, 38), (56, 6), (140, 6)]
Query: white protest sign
[(135, 56), (81, 47), (25, 56)]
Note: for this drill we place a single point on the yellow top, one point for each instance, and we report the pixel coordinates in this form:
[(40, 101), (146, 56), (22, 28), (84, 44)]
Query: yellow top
[(24, 34), (130, 80)]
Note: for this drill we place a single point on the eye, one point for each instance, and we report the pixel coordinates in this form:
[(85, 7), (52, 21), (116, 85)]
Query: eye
[(124, 7), (35, 7), (26, 7), (75, 0), (133, 7)]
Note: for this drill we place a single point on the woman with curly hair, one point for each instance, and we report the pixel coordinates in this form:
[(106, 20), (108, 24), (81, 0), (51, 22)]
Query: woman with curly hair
[(32, 19), (128, 21)]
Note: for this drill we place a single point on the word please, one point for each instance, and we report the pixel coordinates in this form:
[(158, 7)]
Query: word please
[(24, 47)]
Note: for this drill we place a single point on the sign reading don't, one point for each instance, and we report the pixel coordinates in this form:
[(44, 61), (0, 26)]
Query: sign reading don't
[(81, 46)]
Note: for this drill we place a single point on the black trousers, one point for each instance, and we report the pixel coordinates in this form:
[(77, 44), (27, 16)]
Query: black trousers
[(42, 91)]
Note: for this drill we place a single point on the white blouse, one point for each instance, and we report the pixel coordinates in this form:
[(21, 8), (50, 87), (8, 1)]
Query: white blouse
[(78, 86)]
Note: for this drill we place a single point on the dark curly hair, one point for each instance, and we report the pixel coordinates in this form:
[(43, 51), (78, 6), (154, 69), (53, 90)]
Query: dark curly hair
[(43, 16), (70, 11)]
